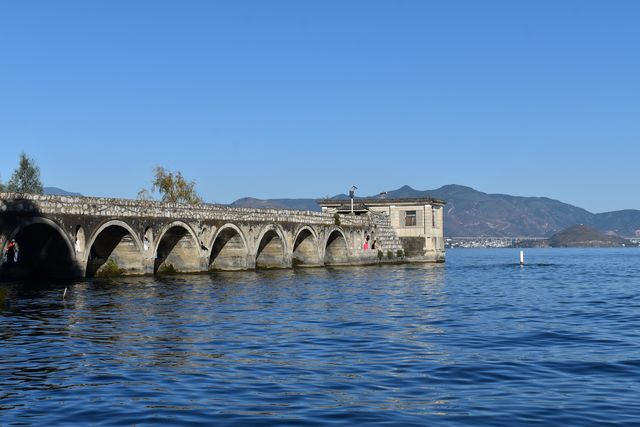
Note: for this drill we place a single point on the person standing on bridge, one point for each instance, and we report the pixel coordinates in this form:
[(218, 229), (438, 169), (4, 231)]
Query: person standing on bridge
[(10, 253)]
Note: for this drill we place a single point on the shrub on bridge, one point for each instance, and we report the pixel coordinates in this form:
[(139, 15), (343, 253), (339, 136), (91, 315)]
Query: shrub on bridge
[(109, 269), (167, 269)]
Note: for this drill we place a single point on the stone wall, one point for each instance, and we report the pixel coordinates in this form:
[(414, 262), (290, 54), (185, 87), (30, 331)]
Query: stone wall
[(112, 207), (413, 246)]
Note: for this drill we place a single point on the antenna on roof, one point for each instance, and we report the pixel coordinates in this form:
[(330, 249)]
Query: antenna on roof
[(352, 193)]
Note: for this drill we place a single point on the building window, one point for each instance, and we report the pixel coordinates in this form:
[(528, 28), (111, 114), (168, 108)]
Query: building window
[(410, 218), (433, 217)]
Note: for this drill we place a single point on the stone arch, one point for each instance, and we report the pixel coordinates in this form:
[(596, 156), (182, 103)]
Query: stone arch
[(336, 249), (272, 248), (306, 251), (229, 250), (177, 248), (114, 243), (44, 250)]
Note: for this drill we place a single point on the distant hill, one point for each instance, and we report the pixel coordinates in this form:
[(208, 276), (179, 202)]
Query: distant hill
[(585, 237), (298, 204), (55, 191), (472, 213)]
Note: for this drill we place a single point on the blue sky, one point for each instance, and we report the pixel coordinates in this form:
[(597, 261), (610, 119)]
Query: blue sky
[(305, 98)]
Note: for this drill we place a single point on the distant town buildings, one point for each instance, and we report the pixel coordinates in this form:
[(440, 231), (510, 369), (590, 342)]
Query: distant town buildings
[(483, 242)]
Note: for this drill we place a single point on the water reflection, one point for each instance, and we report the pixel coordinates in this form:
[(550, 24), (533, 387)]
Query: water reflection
[(399, 345)]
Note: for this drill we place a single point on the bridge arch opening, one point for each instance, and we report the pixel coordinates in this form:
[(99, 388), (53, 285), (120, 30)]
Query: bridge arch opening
[(305, 249), (229, 250), (336, 251), (271, 250), (114, 250), (178, 250), (43, 251)]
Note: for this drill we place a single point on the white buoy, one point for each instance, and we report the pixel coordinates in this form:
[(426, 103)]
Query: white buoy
[(64, 294), (521, 257)]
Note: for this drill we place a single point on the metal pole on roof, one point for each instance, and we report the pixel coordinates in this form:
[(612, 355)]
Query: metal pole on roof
[(352, 193)]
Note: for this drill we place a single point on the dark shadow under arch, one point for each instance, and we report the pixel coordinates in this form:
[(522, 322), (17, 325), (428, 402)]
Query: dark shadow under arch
[(270, 252), (115, 243), (43, 254), (336, 251), (177, 251), (228, 251), (305, 249)]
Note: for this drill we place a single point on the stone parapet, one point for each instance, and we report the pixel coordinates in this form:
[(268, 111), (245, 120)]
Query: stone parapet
[(113, 207)]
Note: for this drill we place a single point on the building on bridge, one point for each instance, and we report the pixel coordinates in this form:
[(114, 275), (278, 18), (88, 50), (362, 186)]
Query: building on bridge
[(418, 223)]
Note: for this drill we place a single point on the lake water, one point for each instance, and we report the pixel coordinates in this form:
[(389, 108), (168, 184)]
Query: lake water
[(476, 341)]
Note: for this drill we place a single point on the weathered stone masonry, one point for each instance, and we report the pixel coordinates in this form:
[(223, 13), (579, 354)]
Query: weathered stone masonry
[(417, 223), (79, 236)]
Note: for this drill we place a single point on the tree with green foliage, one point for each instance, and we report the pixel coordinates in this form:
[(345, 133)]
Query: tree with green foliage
[(26, 179), (173, 187), (1, 185)]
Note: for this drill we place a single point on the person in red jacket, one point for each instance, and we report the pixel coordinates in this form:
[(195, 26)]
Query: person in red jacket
[(11, 251)]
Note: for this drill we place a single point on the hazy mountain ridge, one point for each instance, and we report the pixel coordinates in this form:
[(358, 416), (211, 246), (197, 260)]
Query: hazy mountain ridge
[(55, 191), (472, 213), (624, 223), (298, 204)]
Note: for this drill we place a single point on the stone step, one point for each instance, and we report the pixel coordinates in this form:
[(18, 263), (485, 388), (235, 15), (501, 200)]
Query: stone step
[(384, 233)]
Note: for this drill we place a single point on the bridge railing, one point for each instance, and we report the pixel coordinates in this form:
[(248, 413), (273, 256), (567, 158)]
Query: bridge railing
[(115, 207)]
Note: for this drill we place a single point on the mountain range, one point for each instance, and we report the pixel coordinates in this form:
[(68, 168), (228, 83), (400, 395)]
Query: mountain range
[(55, 191), (472, 213), (299, 204)]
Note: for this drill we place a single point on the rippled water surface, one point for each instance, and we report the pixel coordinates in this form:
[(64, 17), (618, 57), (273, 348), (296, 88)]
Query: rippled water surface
[(478, 341)]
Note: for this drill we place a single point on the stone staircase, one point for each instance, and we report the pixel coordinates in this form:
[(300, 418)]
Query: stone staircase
[(384, 232)]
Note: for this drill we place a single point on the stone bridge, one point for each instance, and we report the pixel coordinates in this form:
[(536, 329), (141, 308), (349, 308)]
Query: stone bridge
[(60, 236)]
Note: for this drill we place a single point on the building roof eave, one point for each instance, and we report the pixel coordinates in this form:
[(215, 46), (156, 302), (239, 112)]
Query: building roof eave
[(383, 202)]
